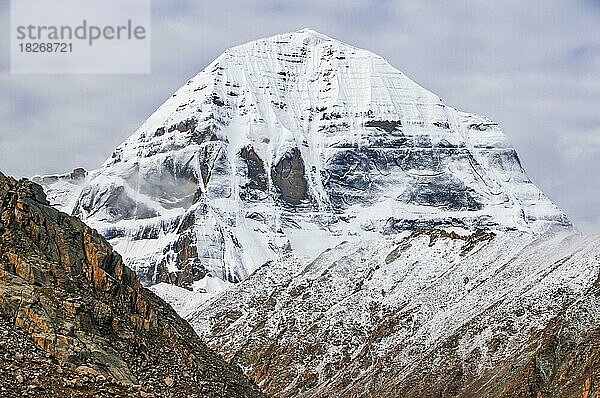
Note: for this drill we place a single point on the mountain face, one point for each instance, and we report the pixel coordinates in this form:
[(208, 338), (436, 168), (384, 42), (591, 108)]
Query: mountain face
[(291, 145), (367, 240), (74, 321)]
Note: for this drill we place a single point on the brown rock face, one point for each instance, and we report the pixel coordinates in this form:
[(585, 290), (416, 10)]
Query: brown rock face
[(65, 288), (288, 177), (255, 173), (184, 252)]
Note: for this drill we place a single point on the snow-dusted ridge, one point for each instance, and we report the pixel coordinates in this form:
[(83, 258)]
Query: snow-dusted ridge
[(424, 314), (293, 144)]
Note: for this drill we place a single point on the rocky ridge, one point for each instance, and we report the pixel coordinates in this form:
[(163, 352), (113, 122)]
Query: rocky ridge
[(431, 313), (76, 321)]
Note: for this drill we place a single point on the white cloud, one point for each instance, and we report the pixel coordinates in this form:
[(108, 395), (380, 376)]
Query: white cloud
[(580, 146)]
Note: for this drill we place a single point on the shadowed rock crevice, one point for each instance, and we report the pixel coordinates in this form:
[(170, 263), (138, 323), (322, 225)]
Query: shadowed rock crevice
[(444, 192)]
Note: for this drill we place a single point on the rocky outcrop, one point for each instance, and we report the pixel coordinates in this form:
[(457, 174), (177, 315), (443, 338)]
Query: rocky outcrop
[(77, 176), (63, 286), (257, 181), (26, 369), (288, 178)]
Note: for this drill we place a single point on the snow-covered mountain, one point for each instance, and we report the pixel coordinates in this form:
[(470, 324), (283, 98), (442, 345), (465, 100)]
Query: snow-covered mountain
[(374, 242), (291, 145)]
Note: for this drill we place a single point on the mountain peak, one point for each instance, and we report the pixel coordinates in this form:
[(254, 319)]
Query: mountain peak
[(304, 33), (312, 32), (309, 31), (306, 39), (281, 147)]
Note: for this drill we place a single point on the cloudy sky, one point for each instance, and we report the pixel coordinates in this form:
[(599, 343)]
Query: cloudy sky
[(533, 66)]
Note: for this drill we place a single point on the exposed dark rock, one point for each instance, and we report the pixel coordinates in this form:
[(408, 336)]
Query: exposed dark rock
[(288, 177), (117, 204), (350, 175), (442, 191), (77, 176), (79, 173), (470, 240), (395, 225), (482, 126), (189, 267), (204, 135), (216, 100), (184, 126), (385, 125), (255, 173)]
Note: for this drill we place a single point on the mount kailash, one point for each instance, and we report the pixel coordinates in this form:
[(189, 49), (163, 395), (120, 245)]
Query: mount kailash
[(335, 229)]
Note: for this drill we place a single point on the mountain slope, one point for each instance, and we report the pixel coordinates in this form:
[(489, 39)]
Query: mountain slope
[(97, 330), (430, 313), (293, 144)]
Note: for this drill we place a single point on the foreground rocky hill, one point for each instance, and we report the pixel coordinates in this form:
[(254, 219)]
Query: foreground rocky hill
[(76, 322)]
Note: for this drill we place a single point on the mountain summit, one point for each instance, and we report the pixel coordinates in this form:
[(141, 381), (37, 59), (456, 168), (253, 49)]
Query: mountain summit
[(293, 144)]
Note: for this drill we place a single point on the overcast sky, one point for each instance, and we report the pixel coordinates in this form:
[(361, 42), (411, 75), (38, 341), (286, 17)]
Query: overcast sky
[(533, 66)]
